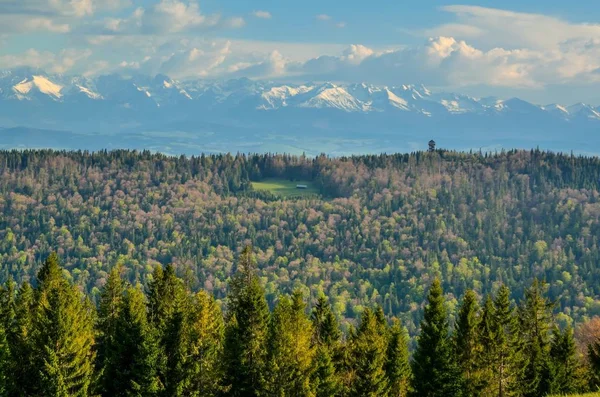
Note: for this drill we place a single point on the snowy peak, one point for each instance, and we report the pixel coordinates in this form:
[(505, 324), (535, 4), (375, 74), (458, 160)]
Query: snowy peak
[(139, 93), (332, 96), (40, 84), (583, 110)]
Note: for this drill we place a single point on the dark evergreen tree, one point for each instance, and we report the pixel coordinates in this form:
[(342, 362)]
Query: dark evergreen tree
[(7, 318), (23, 379), (435, 369), (488, 353), (467, 344), (108, 316), (134, 355), (63, 335), (507, 365), (535, 316), (565, 365), (325, 324), (368, 349), (328, 355), (397, 366), (325, 378), (245, 352), (4, 361), (168, 307)]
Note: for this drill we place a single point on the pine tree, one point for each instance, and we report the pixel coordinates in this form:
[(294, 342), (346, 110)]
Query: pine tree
[(108, 315), (397, 367), (466, 344), (63, 335), (246, 331), (536, 318), (434, 366), (206, 347), (565, 366), (368, 357), (134, 353), (290, 349)]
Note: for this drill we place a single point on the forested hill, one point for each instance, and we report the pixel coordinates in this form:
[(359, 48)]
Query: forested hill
[(380, 230)]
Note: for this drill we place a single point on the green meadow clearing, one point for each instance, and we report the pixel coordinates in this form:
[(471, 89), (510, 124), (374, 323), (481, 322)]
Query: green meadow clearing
[(286, 188)]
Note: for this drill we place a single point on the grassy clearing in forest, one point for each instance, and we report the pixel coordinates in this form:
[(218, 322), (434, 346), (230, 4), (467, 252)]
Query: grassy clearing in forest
[(286, 188)]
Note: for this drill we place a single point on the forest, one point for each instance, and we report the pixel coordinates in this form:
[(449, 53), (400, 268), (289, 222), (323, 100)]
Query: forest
[(380, 230), (166, 340)]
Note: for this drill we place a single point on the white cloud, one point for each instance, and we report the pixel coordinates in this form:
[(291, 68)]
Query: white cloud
[(323, 17), (164, 17), (340, 25), (61, 62), (262, 14), (508, 29), (172, 16)]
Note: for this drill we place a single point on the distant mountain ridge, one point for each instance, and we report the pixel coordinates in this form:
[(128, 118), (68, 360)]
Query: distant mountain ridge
[(28, 84), (400, 117)]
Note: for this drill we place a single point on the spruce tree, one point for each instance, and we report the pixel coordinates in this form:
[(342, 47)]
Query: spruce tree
[(7, 317), (368, 357), (487, 355), (168, 307), (246, 331), (290, 349), (535, 316), (435, 370), (108, 315), (204, 368), (4, 361), (565, 366), (134, 353), (63, 335), (325, 378), (507, 365), (467, 344), (328, 355), (23, 379), (325, 324), (397, 366)]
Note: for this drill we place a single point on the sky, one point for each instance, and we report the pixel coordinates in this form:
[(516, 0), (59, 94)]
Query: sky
[(542, 51)]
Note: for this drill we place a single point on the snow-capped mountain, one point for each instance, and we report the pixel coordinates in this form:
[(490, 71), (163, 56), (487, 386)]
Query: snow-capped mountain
[(143, 104), (162, 91)]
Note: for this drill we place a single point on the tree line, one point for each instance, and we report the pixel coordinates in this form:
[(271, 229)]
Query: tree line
[(165, 340)]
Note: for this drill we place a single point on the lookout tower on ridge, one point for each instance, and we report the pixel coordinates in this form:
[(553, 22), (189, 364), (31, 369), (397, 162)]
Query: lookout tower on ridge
[(431, 146)]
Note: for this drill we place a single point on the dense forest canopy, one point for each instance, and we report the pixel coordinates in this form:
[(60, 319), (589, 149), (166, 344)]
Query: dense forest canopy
[(383, 227)]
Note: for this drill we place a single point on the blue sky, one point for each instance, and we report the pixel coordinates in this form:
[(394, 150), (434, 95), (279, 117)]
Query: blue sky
[(543, 51)]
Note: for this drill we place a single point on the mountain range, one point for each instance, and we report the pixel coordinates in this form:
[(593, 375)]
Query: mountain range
[(159, 113)]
